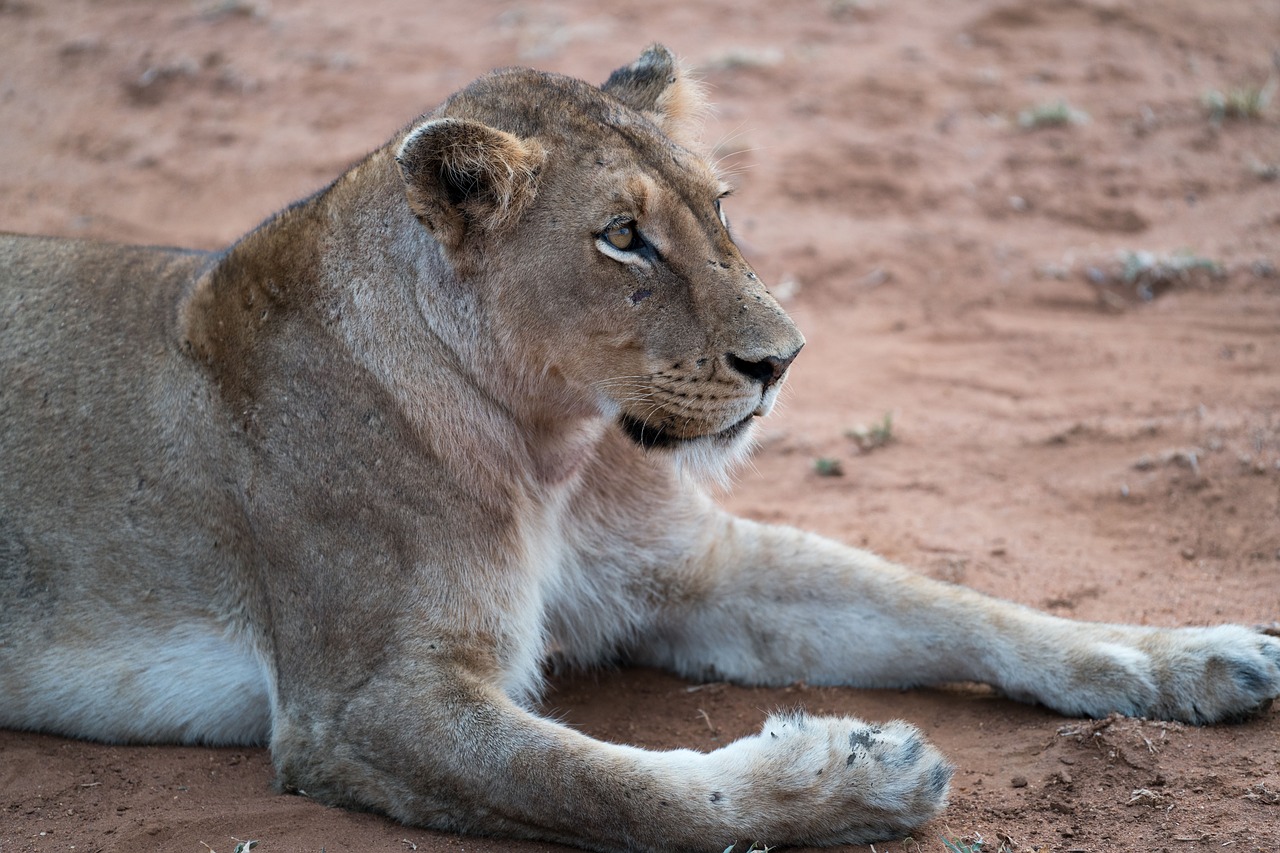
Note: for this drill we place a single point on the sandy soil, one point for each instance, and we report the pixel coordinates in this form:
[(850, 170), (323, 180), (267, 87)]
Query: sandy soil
[(1104, 448)]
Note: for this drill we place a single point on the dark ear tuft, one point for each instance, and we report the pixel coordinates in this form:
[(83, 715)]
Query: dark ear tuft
[(656, 84), (460, 175), (640, 84)]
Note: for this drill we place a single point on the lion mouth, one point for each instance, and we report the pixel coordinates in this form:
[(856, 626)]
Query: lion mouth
[(650, 436)]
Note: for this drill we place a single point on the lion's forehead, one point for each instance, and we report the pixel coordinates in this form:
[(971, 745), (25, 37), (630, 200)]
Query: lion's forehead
[(674, 170), (585, 127), (646, 194)]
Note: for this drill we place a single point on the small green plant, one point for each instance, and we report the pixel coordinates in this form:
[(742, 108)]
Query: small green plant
[(1245, 103), (755, 847), (852, 8), (826, 466), (868, 438), (229, 8), (1053, 114), (241, 846), (746, 59), (1264, 171), (1150, 274), (964, 845)]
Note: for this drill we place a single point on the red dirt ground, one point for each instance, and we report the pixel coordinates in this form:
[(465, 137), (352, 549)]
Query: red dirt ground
[(1057, 438)]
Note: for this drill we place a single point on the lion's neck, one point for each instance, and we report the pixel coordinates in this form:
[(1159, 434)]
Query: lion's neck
[(429, 338), (380, 288)]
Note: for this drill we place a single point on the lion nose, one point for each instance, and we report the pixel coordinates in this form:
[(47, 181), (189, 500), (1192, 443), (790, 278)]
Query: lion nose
[(767, 370)]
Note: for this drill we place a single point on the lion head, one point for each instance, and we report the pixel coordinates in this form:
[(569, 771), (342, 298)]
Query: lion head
[(598, 229)]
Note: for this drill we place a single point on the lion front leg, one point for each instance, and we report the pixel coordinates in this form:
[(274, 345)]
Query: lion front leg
[(771, 604), (451, 751)]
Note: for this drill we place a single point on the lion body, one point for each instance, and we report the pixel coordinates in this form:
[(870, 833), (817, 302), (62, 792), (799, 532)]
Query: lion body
[(114, 611), (345, 486)]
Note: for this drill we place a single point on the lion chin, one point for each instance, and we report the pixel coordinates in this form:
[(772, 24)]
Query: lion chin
[(659, 436), (708, 458)]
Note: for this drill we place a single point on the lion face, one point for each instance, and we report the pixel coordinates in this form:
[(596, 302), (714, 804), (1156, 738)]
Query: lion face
[(686, 344), (606, 249)]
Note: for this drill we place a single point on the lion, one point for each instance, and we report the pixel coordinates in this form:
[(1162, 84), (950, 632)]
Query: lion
[(345, 486)]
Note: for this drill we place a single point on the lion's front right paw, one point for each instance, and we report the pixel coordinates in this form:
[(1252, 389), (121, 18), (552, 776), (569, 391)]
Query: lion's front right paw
[(1209, 675), (829, 780)]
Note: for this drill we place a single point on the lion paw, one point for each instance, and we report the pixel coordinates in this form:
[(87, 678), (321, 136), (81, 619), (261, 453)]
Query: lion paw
[(1194, 675), (828, 780), (1210, 675)]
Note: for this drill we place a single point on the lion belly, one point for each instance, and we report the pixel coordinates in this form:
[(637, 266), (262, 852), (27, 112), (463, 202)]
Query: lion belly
[(192, 683)]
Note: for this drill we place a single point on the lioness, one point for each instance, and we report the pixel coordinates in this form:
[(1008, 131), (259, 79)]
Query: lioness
[(345, 485)]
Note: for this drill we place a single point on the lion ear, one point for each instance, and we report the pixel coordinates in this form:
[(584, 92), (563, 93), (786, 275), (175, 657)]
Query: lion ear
[(461, 174), (658, 85)]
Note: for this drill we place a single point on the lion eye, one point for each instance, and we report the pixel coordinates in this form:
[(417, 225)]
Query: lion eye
[(623, 236)]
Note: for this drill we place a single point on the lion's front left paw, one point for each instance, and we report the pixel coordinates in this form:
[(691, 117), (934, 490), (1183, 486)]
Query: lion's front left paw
[(828, 780)]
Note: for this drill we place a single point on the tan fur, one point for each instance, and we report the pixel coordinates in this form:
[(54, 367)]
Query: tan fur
[(346, 485)]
